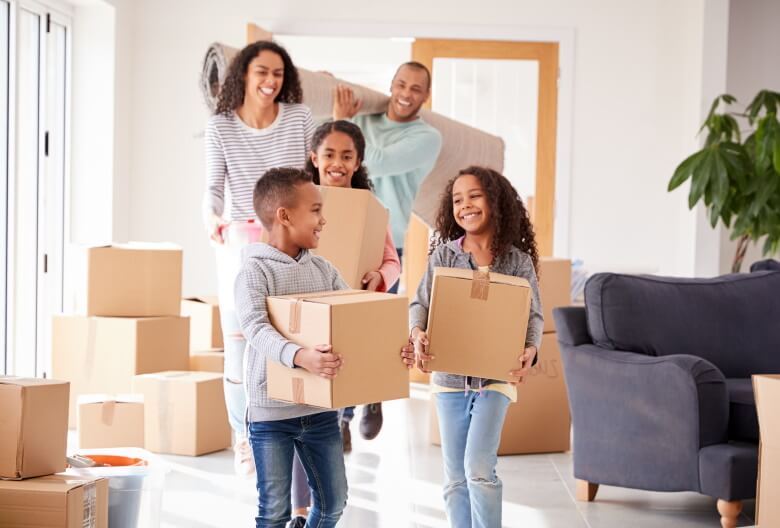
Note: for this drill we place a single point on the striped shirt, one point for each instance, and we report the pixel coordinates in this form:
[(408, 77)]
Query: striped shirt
[(237, 155)]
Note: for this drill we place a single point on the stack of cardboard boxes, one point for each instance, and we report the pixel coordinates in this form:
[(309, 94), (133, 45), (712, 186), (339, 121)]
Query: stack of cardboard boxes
[(206, 345), (33, 438), (540, 421), (128, 324)]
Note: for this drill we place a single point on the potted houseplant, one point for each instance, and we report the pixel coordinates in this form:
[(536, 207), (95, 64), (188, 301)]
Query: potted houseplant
[(739, 179)]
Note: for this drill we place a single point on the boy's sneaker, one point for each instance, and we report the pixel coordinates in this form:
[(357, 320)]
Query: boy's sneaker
[(371, 422), (298, 522), (243, 461), (346, 436)]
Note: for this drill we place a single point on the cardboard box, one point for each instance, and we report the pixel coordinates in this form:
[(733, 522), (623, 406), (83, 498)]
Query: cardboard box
[(33, 427), (54, 501), (540, 421), (110, 421), (130, 280), (353, 239), (554, 287), (184, 412), (477, 322), (207, 361), (102, 354), (767, 393), (205, 326), (368, 329)]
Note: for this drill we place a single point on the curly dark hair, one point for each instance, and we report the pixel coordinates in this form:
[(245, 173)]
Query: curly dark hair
[(360, 179), (511, 221), (231, 96)]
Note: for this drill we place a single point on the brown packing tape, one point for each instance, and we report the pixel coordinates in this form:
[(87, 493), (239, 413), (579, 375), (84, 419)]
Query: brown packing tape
[(480, 285), (297, 390), (90, 516), (107, 411), (295, 316)]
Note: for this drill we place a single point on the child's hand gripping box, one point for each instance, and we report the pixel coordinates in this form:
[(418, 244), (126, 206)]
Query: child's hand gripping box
[(477, 323), (367, 329)]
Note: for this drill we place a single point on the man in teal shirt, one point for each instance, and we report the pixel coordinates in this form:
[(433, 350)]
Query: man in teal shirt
[(401, 149)]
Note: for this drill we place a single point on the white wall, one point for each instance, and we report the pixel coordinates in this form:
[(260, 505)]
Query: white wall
[(637, 101)]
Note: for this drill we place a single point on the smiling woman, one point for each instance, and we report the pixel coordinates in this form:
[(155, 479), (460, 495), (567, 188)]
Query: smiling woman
[(258, 124)]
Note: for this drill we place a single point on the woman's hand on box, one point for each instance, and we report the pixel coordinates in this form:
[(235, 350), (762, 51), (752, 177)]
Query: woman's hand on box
[(420, 340), (319, 360), (407, 355), (372, 280), (525, 365)]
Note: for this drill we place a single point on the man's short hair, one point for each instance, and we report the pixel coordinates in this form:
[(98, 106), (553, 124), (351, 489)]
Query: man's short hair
[(275, 189), (417, 66)]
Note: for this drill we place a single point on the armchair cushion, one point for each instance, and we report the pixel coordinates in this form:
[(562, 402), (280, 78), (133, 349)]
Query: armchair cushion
[(743, 420)]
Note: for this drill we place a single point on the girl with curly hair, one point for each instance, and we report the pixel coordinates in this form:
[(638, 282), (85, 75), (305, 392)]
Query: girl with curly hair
[(259, 123), (338, 151), (483, 225)]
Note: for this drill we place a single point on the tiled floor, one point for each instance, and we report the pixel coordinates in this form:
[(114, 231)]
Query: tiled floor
[(395, 481)]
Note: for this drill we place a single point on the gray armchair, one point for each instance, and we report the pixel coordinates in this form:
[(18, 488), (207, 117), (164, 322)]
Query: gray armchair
[(658, 373)]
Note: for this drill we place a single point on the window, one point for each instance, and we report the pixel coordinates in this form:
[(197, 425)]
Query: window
[(36, 45)]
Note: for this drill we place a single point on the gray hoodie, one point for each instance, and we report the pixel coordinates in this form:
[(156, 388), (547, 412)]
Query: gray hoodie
[(451, 255), (267, 271)]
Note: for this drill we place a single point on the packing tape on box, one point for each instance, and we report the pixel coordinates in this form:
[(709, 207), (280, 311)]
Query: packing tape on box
[(298, 394), (480, 285), (164, 407), (295, 316), (462, 145), (90, 516), (107, 412)]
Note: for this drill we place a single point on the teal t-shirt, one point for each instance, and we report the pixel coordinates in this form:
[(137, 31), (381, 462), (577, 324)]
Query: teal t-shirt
[(398, 157)]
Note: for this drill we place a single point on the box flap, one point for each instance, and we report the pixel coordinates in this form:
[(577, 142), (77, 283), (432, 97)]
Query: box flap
[(28, 382), (57, 483), (319, 296), (498, 278), (212, 300), (767, 393), (85, 399), (182, 375)]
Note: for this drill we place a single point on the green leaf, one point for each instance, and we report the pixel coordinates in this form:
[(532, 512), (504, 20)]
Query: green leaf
[(684, 169), (721, 183), (699, 179)]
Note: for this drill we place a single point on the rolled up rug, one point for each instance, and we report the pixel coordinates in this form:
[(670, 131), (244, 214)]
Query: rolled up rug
[(462, 145)]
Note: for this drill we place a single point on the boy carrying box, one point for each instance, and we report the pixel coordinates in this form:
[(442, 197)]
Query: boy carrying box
[(290, 208)]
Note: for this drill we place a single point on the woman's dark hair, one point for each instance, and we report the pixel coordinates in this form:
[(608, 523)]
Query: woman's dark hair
[(231, 96), (360, 179), (511, 221)]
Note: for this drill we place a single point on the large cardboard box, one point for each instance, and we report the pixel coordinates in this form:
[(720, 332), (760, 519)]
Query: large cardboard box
[(767, 392), (207, 361), (353, 239), (184, 412), (110, 421), (367, 329), (554, 287), (477, 322), (54, 501), (33, 427), (540, 421), (205, 326), (102, 354), (130, 280)]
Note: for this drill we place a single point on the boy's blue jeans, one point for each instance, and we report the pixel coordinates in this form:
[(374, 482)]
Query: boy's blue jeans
[(317, 439), (470, 427)]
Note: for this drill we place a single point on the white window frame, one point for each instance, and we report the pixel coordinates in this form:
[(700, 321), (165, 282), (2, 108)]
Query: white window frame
[(60, 13)]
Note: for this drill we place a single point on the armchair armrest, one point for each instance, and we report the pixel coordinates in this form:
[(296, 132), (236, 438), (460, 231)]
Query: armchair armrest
[(639, 421)]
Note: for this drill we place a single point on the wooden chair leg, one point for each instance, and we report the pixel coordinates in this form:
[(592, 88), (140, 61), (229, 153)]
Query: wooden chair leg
[(729, 511), (586, 491)]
